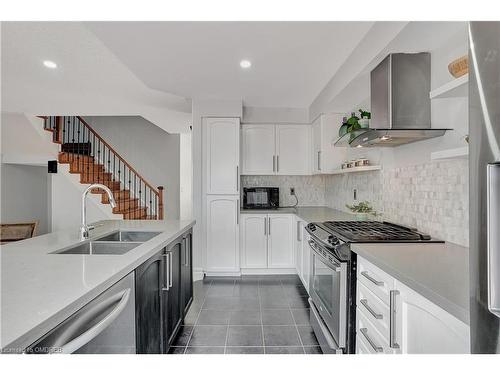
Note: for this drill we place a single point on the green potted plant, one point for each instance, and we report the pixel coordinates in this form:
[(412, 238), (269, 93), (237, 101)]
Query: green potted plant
[(362, 209), (343, 128), (364, 122)]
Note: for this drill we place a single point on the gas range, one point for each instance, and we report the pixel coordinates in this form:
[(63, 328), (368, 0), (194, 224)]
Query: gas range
[(333, 234)]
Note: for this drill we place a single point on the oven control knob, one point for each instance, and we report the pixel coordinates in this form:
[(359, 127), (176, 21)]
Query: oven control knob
[(332, 240), (312, 227)]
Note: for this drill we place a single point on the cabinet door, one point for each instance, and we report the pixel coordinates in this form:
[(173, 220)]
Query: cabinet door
[(149, 279), (292, 149), (253, 241), (258, 149), (222, 154), (423, 327), (316, 146), (187, 272), (280, 241), (298, 246), (173, 306), (306, 259), (222, 253)]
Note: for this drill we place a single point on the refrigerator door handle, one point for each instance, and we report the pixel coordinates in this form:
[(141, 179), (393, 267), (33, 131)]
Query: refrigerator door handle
[(493, 223)]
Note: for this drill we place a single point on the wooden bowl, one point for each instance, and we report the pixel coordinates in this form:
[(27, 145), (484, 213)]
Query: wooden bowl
[(459, 67)]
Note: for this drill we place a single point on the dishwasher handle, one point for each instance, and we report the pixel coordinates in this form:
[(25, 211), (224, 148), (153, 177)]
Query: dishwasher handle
[(121, 300)]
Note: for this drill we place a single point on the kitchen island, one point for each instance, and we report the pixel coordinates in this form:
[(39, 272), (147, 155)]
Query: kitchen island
[(40, 289)]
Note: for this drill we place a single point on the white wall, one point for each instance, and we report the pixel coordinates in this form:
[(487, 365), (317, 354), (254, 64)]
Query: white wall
[(25, 195), (153, 152), (186, 176)]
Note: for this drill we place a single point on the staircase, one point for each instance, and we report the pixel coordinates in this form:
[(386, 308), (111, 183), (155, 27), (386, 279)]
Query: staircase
[(96, 161)]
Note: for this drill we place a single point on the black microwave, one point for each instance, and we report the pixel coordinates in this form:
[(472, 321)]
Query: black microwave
[(261, 197)]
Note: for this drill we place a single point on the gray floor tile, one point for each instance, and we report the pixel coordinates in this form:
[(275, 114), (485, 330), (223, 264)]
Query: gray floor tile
[(313, 350), (219, 303), (208, 336), (277, 316), (220, 290), (245, 317), (307, 335), (244, 336), (290, 280), (284, 350), (247, 291), (176, 350), (183, 336), (281, 336), (211, 317), (295, 291), (273, 303), (244, 303), (301, 316), (191, 317), (244, 350), (205, 350)]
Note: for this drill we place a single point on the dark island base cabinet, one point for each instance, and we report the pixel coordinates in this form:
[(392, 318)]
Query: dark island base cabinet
[(164, 290)]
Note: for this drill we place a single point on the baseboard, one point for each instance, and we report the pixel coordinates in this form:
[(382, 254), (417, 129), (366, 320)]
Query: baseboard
[(268, 271), (215, 273), (198, 274)]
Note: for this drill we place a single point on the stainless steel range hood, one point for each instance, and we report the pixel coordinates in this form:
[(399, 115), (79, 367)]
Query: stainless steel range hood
[(400, 103)]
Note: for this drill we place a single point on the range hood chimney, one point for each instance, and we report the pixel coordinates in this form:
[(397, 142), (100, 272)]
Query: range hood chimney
[(400, 103)]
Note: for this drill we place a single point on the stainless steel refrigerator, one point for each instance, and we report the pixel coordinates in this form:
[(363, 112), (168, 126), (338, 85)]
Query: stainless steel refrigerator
[(484, 175)]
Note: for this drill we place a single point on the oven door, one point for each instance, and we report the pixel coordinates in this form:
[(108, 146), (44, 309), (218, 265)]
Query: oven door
[(329, 294)]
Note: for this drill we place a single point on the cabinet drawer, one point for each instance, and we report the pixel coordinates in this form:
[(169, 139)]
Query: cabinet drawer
[(376, 311), (372, 339), (376, 280)]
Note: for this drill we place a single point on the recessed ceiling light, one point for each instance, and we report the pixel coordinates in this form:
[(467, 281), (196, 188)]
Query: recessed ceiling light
[(50, 64), (245, 64)]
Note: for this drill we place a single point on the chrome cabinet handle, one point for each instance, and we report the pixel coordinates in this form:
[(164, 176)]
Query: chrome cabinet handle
[(237, 212), (319, 160), (492, 222), (392, 319), (269, 221), (167, 272), (274, 163), (237, 178), (376, 315), (277, 163), (376, 282), (170, 272), (265, 226), (298, 232), (377, 349)]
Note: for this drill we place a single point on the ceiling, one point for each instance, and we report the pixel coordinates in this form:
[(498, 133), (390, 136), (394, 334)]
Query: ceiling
[(291, 61)]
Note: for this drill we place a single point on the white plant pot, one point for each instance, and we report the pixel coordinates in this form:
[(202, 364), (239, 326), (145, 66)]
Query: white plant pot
[(364, 122)]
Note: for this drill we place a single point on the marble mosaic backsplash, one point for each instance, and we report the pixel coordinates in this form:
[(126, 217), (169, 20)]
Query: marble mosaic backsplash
[(310, 190), (432, 197)]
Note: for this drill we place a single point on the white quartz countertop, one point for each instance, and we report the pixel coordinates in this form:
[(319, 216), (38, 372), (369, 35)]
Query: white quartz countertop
[(39, 290), (307, 213), (437, 271)]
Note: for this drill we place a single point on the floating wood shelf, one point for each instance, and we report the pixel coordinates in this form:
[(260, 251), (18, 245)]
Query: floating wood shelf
[(357, 169), (453, 89), (453, 153)]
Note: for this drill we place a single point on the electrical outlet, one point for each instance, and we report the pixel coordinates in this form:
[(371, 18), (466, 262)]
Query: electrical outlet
[(292, 191)]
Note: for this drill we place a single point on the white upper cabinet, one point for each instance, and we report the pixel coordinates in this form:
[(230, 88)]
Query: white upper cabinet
[(258, 149), (281, 241), (269, 149), (292, 149), (222, 155), (424, 328), (222, 234), (325, 157)]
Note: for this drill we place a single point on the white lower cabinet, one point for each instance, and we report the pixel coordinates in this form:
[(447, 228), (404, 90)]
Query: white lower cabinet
[(393, 318), (306, 259), (424, 328), (267, 241), (222, 255)]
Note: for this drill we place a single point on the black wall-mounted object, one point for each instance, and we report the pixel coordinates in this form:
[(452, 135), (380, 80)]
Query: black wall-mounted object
[(52, 166)]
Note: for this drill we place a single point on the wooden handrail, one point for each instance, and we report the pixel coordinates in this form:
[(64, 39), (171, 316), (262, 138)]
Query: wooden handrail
[(121, 158)]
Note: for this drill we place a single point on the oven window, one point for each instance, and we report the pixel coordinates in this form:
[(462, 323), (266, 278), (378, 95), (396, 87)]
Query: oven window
[(326, 285)]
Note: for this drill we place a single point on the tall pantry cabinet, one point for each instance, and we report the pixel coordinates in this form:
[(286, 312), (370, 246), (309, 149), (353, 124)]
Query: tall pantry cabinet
[(221, 193)]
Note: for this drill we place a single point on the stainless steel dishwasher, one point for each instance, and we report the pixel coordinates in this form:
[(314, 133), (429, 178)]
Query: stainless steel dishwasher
[(106, 325)]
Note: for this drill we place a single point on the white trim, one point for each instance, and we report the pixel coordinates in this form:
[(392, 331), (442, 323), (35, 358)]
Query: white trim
[(268, 271), (198, 274), (215, 273)]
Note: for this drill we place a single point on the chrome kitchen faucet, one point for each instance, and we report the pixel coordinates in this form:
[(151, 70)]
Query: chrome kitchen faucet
[(84, 228)]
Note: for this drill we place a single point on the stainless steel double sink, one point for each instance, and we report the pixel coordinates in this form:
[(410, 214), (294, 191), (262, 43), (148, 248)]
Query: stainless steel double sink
[(115, 243)]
